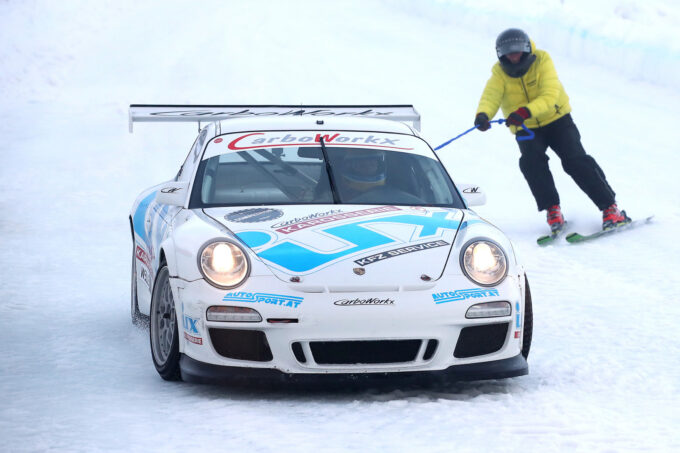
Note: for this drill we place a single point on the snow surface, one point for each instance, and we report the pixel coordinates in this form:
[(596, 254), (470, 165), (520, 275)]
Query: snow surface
[(77, 376)]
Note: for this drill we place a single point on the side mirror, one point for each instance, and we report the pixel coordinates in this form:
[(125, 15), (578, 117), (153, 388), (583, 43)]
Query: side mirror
[(473, 194), (173, 193)]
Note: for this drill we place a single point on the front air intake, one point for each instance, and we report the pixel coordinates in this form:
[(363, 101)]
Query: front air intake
[(241, 344), (481, 340)]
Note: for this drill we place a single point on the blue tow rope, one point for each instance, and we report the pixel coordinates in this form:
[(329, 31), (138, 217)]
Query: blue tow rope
[(521, 138)]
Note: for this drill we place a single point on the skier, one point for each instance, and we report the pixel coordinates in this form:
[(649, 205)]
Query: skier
[(524, 84)]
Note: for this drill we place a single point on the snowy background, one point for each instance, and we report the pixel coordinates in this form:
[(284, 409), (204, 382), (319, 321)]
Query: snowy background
[(75, 375)]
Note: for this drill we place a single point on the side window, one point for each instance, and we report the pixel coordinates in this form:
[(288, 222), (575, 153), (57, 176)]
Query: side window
[(187, 169)]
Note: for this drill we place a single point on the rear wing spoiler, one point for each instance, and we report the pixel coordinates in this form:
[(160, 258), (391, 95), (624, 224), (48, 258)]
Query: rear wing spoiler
[(210, 113)]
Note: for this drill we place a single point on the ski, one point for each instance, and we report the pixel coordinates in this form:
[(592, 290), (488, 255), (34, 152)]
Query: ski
[(575, 238), (551, 238)]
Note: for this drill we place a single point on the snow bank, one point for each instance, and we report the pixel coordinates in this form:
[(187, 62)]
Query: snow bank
[(47, 47), (639, 40)]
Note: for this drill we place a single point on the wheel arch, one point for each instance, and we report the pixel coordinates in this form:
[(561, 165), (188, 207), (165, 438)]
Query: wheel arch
[(166, 255), (162, 261), (528, 322)]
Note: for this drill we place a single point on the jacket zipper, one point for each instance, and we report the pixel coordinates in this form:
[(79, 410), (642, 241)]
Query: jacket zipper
[(521, 79)]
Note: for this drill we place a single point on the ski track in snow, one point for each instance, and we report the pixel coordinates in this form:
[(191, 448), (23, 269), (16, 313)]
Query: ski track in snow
[(77, 376)]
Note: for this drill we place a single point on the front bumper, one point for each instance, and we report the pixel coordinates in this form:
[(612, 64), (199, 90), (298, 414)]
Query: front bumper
[(326, 336), (206, 373)]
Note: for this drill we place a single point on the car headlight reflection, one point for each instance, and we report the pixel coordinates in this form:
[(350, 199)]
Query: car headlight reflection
[(484, 262), (223, 264)]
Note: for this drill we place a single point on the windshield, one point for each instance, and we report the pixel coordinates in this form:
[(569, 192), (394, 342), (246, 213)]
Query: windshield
[(297, 173)]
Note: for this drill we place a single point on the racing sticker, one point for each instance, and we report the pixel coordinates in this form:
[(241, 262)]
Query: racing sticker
[(150, 227), (260, 139), (463, 294), (191, 332), (281, 300), (330, 217), (254, 215), (306, 218), (360, 236), (146, 277), (371, 301), (518, 320), (142, 256), (400, 251), (145, 271)]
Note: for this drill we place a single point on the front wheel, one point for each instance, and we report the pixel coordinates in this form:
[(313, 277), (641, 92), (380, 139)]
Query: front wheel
[(163, 329), (528, 320)]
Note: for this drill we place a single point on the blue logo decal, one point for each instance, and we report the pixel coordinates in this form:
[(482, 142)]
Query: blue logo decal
[(140, 216), (518, 317), (462, 294), (274, 299), (150, 226), (298, 258), (190, 325)]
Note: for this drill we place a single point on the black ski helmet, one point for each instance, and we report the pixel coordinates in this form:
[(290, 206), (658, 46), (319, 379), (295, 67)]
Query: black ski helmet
[(510, 41)]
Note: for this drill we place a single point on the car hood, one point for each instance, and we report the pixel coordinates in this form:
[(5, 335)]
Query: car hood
[(347, 247)]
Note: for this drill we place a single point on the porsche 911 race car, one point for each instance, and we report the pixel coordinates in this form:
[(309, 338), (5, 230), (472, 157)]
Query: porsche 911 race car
[(321, 240)]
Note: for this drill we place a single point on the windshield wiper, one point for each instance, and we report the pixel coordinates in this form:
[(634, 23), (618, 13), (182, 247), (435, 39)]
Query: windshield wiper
[(279, 185), (331, 179), (288, 168)]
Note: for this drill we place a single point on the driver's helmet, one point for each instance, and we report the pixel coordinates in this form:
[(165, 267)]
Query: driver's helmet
[(364, 169)]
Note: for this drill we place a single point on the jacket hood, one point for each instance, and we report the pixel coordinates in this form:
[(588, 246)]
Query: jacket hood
[(348, 247)]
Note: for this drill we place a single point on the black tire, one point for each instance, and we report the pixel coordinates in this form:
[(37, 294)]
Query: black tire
[(528, 320), (163, 328)]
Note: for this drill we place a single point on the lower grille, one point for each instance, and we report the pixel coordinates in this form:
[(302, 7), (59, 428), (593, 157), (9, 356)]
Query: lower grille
[(241, 344), (360, 352), (431, 349), (299, 353), (480, 340)]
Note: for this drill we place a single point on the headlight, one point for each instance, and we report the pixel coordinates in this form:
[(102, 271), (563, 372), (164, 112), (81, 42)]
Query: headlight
[(484, 262), (223, 264)]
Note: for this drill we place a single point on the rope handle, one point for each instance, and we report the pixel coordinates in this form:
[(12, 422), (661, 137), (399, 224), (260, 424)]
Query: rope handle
[(520, 138)]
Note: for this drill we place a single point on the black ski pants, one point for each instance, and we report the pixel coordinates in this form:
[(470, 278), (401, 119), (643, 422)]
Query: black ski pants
[(563, 137)]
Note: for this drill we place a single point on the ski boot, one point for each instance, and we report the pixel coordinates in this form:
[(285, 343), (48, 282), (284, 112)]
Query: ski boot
[(612, 217), (555, 219)]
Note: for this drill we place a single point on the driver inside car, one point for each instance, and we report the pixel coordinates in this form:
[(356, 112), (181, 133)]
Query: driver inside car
[(362, 171)]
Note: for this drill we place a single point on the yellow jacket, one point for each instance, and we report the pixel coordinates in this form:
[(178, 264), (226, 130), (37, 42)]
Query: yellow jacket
[(539, 90)]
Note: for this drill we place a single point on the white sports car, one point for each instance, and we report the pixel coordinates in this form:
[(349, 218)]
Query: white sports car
[(306, 240)]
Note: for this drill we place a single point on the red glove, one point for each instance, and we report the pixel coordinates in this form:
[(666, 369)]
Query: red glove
[(517, 117)]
